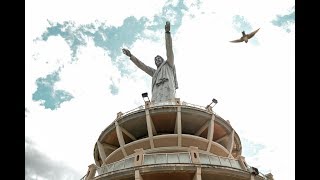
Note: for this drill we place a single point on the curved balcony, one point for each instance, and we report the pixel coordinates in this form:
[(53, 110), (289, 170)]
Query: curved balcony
[(166, 127)]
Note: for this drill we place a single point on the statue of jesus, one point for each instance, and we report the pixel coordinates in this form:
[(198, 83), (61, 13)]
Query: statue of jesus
[(164, 79)]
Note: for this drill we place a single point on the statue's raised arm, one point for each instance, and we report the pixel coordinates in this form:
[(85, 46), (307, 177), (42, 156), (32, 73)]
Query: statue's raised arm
[(170, 57)]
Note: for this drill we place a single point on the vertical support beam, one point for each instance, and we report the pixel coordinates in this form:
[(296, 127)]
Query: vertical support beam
[(178, 125), (149, 125), (138, 157), (147, 105), (91, 172), (97, 163), (243, 163), (120, 138), (197, 174), (101, 152), (194, 153), (154, 131), (252, 177), (210, 131), (137, 175), (230, 143)]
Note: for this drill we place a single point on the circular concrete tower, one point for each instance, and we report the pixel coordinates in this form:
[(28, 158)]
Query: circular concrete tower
[(170, 140)]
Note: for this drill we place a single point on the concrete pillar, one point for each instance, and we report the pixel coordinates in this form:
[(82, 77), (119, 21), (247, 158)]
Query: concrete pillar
[(178, 102), (230, 143), (178, 125), (252, 177), (197, 174), (101, 152), (210, 131), (194, 152), (243, 163), (137, 175), (149, 125), (91, 172), (138, 157), (120, 138)]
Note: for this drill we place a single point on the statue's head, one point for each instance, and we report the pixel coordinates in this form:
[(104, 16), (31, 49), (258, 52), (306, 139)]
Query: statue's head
[(158, 60)]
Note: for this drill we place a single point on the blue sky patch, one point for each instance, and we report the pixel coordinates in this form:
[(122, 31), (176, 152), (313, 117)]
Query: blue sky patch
[(285, 21), (249, 148), (241, 24), (67, 31), (114, 89), (49, 97)]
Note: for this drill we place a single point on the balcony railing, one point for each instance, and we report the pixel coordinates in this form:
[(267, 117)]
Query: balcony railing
[(166, 103), (170, 158)]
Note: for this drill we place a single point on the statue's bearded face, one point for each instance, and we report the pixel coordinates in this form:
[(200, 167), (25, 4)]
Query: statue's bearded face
[(158, 60)]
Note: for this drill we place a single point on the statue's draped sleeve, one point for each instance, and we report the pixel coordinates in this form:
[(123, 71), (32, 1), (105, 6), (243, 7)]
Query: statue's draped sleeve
[(170, 57), (149, 70)]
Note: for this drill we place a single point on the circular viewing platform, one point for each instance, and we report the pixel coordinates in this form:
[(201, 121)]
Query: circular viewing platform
[(199, 127), (170, 140)]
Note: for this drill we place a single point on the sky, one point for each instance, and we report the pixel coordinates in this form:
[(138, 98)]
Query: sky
[(77, 78)]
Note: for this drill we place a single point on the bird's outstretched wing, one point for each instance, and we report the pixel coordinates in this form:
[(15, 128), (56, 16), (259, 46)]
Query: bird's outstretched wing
[(252, 33), (236, 41)]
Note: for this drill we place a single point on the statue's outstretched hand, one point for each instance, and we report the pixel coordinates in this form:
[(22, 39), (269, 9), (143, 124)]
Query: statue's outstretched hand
[(167, 26), (126, 52)]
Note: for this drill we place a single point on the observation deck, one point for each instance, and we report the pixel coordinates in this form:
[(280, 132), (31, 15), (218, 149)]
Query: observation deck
[(170, 140)]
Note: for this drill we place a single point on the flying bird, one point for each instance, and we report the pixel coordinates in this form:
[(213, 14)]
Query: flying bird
[(245, 37)]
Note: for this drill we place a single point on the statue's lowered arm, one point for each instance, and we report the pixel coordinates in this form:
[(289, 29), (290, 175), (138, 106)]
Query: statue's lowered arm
[(149, 70)]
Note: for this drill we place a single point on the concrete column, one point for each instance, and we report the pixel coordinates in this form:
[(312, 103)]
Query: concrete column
[(230, 143), (101, 152), (138, 157), (197, 175), (178, 102), (91, 172), (149, 125), (194, 152), (243, 163), (137, 175), (210, 131), (120, 138), (178, 125), (252, 177)]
